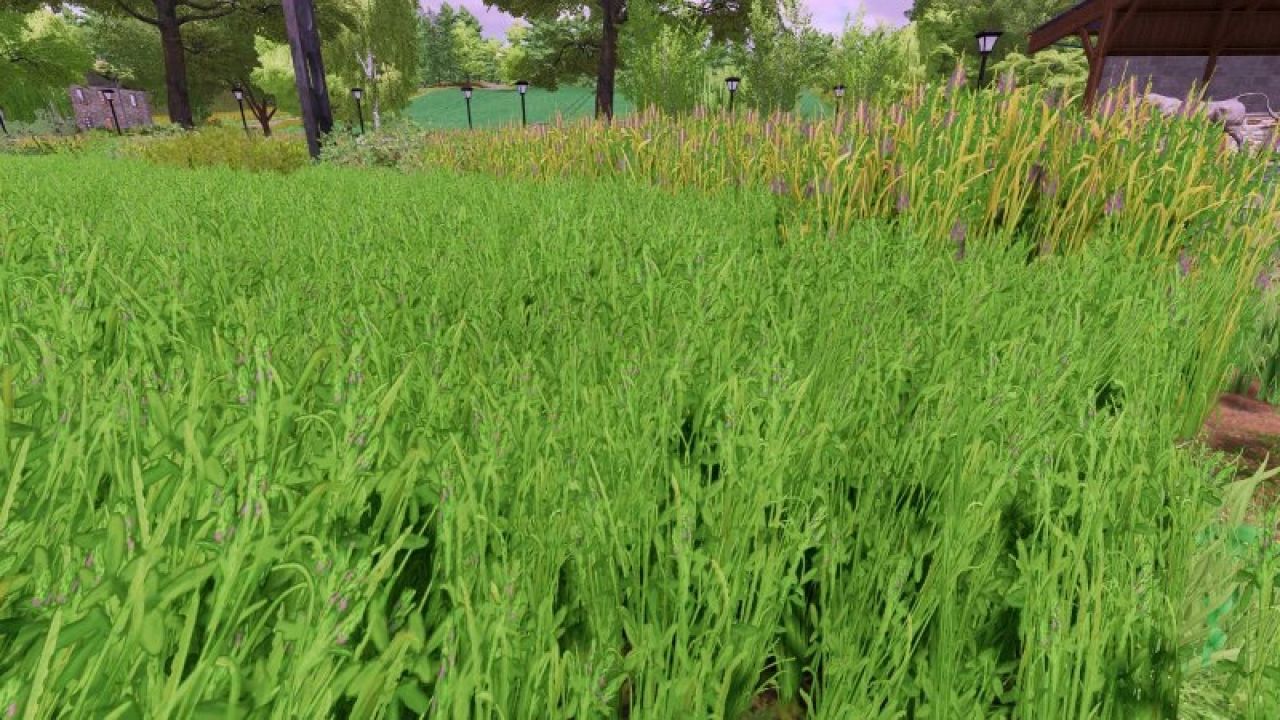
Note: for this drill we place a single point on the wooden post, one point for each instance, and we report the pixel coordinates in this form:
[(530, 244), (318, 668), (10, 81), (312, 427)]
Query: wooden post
[(308, 71), (1097, 52), (1219, 36)]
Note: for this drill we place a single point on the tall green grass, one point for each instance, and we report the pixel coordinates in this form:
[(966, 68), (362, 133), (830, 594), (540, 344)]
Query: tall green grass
[(357, 442)]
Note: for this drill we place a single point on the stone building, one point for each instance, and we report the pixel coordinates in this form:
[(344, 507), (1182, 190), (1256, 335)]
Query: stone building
[(133, 108), (1173, 76), (1232, 46)]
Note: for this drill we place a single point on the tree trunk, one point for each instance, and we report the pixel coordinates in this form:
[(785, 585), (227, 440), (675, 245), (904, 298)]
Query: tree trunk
[(614, 13), (266, 125), (178, 96)]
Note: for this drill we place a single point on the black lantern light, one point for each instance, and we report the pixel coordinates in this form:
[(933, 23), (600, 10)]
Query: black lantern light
[(358, 93), (839, 91), (986, 43), (238, 92), (522, 86), (109, 94), (732, 84), (466, 93)]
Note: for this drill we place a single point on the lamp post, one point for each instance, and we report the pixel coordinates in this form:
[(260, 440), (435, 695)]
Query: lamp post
[(109, 94), (3, 127), (522, 86), (239, 93), (358, 93), (986, 43), (466, 93), (732, 84), (839, 91)]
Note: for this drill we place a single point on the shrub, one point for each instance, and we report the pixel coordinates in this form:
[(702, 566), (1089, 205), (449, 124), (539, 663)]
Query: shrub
[(224, 147), (43, 144), (397, 145)]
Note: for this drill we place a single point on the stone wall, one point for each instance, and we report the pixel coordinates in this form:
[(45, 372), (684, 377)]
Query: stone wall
[(1173, 75), (133, 108)]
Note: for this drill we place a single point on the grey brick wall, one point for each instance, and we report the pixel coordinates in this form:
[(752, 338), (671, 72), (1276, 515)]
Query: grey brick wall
[(1173, 76), (133, 107)]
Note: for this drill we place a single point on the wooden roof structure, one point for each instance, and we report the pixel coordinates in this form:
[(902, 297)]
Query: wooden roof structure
[(1211, 28)]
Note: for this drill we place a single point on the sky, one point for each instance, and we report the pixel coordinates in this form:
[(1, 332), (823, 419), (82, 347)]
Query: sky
[(828, 15)]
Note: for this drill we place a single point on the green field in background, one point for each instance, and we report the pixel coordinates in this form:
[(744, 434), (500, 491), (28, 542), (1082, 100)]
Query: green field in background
[(445, 109)]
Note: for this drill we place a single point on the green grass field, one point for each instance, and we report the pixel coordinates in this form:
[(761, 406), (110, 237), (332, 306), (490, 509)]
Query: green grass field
[(699, 420), (445, 108)]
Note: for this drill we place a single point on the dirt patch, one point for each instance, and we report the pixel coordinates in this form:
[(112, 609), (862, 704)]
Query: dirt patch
[(1248, 431)]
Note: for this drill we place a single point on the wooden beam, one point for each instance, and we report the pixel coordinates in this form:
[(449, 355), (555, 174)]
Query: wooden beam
[(1128, 13), (1215, 44), (1098, 59), (1220, 33), (1064, 24)]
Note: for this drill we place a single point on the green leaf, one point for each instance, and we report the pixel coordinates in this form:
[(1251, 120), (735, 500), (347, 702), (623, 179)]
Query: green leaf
[(115, 545), (413, 697), (152, 636), (377, 618), (95, 622)]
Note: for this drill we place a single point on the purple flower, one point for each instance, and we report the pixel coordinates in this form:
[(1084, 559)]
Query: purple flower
[(12, 710), (342, 638), (778, 186), (1005, 83), (1115, 203), (808, 189), (957, 237), (1184, 262), (957, 78), (886, 146), (904, 201), (1263, 282)]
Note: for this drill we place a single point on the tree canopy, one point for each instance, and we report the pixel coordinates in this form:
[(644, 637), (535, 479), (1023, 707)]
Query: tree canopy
[(42, 52)]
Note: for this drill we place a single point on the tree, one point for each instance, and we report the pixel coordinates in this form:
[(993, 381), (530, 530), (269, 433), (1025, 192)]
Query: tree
[(875, 64), (42, 53), (378, 51), (176, 20), (783, 54), (218, 54), (946, 29), (169, 18), (442, 57), (274, 74), (512, 56), (601, 43), (667, 62), (548, 52)]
